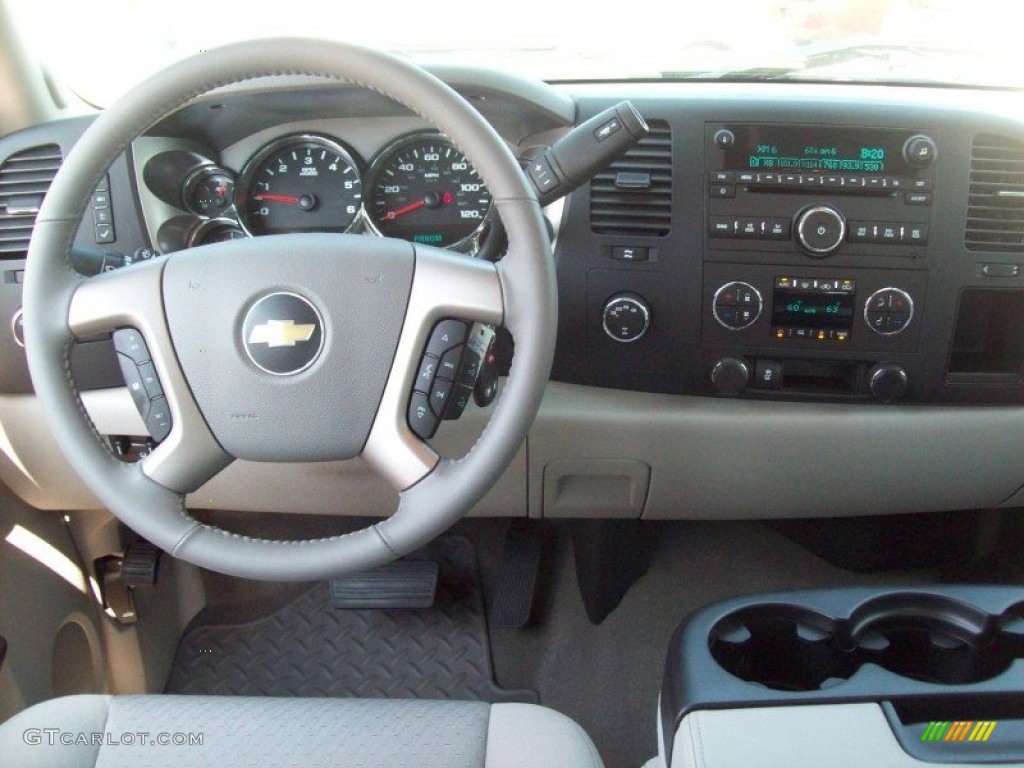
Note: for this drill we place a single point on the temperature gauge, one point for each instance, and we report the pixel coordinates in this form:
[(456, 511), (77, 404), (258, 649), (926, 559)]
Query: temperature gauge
[(209, 192)]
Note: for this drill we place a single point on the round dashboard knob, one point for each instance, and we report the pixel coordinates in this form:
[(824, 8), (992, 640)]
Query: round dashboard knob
[(920, 151), (887, 382), (889, 311), (626, 317), (820, 230), (730, 375)]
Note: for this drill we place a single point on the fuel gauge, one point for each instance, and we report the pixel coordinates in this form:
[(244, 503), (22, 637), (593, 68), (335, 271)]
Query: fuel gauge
[(209, 191)]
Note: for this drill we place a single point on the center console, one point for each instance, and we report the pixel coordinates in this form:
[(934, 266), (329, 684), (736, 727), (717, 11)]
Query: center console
[(810, 257), (843, 677), (817, 244)]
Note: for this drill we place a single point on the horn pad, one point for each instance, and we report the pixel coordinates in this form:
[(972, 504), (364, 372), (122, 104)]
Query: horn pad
[(287, 341)]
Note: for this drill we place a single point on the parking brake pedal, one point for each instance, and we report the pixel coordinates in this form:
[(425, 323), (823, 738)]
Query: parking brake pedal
[(513, 601), (120, 576), (402, 584)]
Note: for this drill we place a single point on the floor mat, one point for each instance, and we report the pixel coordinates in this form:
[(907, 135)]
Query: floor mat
[(309, 648)]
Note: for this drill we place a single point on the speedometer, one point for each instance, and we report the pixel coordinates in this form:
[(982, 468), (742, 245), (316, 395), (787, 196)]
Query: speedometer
[(423, 189), (300, 184)]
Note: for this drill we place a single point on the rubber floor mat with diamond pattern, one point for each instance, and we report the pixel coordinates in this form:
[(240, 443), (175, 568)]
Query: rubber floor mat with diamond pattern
[(310, 648)]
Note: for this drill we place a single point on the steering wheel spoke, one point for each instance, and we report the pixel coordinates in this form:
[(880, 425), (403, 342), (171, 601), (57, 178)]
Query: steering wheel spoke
[(131, 298), (445, 286)]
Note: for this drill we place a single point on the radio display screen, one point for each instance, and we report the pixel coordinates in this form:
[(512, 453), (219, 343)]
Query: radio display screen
[(795, 148)]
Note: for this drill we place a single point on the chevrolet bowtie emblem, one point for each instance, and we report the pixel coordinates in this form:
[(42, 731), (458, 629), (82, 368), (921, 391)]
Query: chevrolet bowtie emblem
[(278, 346), (281, 333)]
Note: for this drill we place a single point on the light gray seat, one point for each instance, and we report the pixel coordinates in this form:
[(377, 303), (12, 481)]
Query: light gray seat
[(109, 731)]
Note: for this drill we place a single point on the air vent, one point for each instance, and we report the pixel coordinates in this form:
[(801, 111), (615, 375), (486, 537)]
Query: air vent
[(995, 210), (634, 195), (24, 179)]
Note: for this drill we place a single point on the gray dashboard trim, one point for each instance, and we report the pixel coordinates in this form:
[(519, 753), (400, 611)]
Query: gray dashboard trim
[(716, 458), (710, 458)]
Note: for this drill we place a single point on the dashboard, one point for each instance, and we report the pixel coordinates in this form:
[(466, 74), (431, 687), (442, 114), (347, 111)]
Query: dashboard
[(785, 300)]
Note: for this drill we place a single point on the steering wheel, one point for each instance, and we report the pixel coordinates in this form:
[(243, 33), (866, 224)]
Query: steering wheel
[(372, 302)]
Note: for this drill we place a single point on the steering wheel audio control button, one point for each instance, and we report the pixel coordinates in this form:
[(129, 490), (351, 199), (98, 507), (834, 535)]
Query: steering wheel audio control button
[(446, 334), (450, 363), (439, 396), (422, 420), (459, 400), (426, 373)]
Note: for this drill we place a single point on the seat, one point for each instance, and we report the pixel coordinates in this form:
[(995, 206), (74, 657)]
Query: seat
[(143, 731)]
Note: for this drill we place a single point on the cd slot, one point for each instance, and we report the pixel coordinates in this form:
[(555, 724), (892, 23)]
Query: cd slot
[(816, 191)]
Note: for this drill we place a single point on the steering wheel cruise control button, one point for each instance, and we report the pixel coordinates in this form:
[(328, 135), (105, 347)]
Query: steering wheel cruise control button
[(149, 380), (158, 422), (133, 380), (129, 342), (142, 381)]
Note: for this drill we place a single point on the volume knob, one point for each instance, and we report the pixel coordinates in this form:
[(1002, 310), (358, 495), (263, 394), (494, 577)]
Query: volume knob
[(820, 230)]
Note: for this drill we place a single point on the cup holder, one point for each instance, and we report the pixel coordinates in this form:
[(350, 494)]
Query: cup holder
[(782, 647), (922, 637)]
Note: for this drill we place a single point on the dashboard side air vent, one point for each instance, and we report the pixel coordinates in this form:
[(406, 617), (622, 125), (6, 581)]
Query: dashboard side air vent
[(995, 205), (24, 179), (633, 196)]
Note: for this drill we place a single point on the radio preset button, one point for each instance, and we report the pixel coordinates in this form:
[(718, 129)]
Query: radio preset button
[(915, 234)]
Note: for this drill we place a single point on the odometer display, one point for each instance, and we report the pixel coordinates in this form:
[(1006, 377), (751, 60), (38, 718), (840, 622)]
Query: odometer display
[(301, 184), (423, 189)]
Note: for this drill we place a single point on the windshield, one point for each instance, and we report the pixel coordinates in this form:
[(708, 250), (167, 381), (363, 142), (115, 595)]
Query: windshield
[(103, 47)]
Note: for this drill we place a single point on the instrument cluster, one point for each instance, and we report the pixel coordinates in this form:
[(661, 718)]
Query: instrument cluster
[(419, 188)]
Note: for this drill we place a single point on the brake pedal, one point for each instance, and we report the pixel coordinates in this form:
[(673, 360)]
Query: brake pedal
[(402, 584)]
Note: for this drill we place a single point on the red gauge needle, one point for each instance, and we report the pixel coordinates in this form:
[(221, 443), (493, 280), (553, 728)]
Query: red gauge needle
[(278, 199), (391, 215)]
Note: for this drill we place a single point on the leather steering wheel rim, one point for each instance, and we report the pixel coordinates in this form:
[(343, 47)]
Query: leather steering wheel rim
[(61, 306)]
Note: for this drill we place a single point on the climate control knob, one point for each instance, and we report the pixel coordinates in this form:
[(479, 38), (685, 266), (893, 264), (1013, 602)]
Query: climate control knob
[(887, 382), (889, 311), (820, 230), (730, 375), (626, 317)]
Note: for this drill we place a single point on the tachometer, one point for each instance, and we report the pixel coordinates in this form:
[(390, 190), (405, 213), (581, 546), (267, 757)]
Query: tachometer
[(300, 184), (423, 189)]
